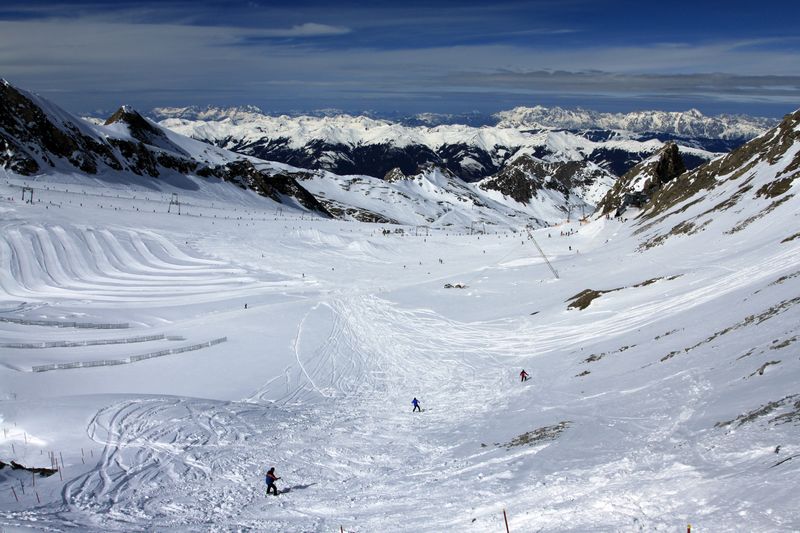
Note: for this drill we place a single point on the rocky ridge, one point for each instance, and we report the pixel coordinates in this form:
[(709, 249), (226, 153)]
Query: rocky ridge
[(37, 137), (640, 183)]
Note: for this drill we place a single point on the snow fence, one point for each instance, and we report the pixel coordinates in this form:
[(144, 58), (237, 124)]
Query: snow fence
[(95, 342), (128, 360), (59, 324)]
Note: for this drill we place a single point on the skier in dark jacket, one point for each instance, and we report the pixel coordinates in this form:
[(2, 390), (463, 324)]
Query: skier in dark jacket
[(415, 403), (523, 376), (271, 479)]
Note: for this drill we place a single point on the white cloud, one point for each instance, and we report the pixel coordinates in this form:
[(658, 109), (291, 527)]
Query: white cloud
[(309, 29)]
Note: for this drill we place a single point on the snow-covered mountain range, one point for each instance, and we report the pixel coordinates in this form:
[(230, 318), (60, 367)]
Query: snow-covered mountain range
[(45, 142), (346, 144), (687, 124)]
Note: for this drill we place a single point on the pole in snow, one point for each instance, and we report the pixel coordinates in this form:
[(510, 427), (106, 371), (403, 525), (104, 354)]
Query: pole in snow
[(505, 517)]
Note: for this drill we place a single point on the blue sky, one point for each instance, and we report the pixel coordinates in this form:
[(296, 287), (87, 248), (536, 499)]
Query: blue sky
[(407, 56)]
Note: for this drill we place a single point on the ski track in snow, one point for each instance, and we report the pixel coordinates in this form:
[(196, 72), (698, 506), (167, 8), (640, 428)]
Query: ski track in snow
[(337, 421), (207, 450), (190, 463)]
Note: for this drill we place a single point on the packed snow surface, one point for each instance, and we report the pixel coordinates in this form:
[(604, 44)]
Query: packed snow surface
[(631, 420)]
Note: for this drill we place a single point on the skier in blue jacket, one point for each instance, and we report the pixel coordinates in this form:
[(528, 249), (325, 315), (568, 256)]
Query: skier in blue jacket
[(415, 403), (271, 479)]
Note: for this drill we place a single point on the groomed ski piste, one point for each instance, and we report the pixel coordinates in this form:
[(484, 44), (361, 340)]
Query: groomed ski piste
[(670, 400)]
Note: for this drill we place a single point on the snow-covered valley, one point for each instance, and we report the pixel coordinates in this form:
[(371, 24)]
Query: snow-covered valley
[(243, 334)]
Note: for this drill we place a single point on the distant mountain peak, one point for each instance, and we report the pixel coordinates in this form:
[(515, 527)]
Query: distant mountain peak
[(130, 116), (690, 123), (207, 112)]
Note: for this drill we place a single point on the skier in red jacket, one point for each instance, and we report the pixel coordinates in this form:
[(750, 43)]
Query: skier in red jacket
[(523, 376)]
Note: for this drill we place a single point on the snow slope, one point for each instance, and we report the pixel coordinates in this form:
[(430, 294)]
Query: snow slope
[(668, 396), (436, 198)]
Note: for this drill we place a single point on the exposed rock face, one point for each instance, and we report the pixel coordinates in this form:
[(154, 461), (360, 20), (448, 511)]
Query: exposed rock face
[(394, 175), (637, 186), (668, 166), (33, 138), (519, 180), (287, 185), (743, 190), (244, 174), (372, 159), (35, 135), (525, 176)]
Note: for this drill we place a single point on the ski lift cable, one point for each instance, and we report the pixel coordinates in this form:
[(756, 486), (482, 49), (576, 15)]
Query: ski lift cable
[(541, 252)]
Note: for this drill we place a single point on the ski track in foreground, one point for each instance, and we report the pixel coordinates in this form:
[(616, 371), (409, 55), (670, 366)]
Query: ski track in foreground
[(345, 441), (206, 451)]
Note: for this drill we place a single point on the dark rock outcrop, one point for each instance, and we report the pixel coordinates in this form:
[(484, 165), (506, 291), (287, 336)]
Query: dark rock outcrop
[(669, 166), (279, 187), (640, 183), (526, 175), (35, 137)]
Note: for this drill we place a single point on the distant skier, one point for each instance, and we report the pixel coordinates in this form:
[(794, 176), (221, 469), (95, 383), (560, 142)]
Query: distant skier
[(271, 479), (415, 403), (523, 376)]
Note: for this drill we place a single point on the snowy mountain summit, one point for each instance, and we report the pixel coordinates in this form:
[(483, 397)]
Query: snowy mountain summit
[(691, 123)]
